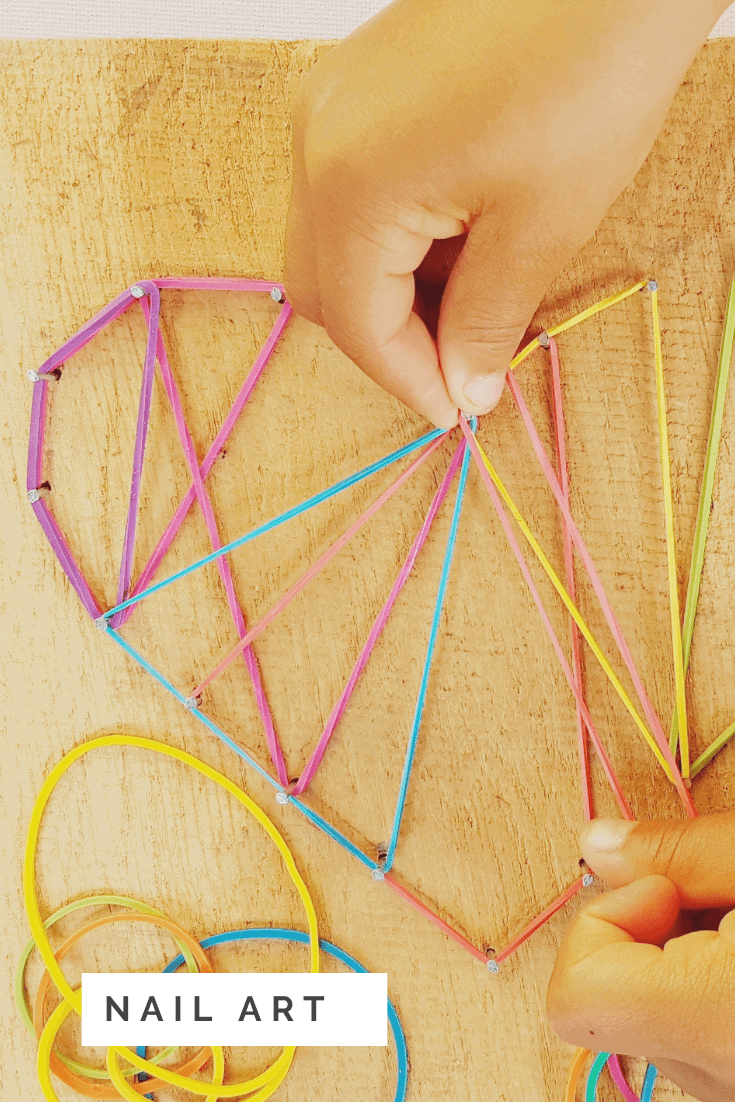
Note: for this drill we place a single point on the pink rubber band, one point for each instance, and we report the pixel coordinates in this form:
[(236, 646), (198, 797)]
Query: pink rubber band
[(317, 566), (550, 474), (338, 710), (561, 460), (218, 443), (500, 510), (222, 564)]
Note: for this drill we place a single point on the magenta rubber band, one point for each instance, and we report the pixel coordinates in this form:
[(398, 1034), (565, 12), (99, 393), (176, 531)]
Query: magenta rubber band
[(550, 474), (141, 433), (65, 557), (563, 471), (222, 564), (90, 329), (216, 447), (620, 1081), (338, 710)]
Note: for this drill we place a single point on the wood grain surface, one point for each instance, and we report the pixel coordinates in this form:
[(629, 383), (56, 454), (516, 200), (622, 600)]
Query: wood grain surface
[(123, 160)]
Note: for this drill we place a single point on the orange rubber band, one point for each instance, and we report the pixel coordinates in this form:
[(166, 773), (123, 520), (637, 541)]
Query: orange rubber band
[(107, 1089)]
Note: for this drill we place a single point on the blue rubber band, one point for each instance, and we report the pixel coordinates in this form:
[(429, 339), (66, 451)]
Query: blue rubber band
[(268, 934), (310, 814), (421, 701), (593, 1076), (296, 511), (649, 1083)]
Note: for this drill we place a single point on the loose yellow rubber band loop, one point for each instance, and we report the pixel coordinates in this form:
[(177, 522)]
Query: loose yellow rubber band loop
[(573, 610), (611, 300), (663, 436), (46, 1044), (79, 904), (230, 1091), (72, 998)]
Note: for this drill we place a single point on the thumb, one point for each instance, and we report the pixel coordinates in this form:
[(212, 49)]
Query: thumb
[(492, 293), (606, 990), (697, 855)]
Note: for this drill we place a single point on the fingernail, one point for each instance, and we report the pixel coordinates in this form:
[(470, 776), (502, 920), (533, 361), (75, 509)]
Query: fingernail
[(602, 843), (483, 392), (606, 835)]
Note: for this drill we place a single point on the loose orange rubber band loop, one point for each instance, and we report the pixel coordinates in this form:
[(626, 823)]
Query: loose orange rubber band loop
[(106, 1089), (581, 1057)]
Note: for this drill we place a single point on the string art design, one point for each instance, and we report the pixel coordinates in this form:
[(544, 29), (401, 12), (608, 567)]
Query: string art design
[(672, 752)]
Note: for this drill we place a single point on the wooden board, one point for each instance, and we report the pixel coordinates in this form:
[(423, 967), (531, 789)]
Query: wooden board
[(125, 160)]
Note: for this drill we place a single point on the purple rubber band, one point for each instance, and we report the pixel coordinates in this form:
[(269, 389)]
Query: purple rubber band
[(216, 447), (223, 565), (90, 329), (65, 557), (141, 432), (34, 470), (205, 283), (338, 710)]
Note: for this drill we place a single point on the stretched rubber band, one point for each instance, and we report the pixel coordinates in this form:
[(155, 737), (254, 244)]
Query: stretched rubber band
[(596, 581), (498, 506), (213, 452), (223, 566), (278, 934), (581, 1057), (576, 319), (312, 765), (563, 475), (141, 434), (62, 1070), (703, 515), (496, 487), (315, 568), (72, 999), (289, 514), (430, 647), (676, 644), (539, 921)]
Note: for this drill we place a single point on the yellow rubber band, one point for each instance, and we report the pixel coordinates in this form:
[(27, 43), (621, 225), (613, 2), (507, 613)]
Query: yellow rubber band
[(72, 998), (676, 644), (573, 610), (597, 308)]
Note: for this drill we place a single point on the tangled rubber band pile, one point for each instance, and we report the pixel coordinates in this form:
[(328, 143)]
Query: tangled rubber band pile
[(673, 753), (114, 1084)]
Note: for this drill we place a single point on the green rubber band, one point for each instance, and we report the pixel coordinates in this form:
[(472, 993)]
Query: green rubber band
[(19, 985), (703, 515)]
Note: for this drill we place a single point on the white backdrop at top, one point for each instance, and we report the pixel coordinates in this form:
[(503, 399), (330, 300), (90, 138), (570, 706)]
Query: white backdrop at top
[(284, 19)]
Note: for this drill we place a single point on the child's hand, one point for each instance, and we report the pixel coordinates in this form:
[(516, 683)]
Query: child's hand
[(630, 978), (513, 122)]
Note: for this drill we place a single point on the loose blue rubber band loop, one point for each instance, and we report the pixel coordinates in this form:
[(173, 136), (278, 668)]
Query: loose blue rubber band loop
[(418, 714), (288, 515), (310, 814), (268, 934), (593, 1077), (648, 1083)]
